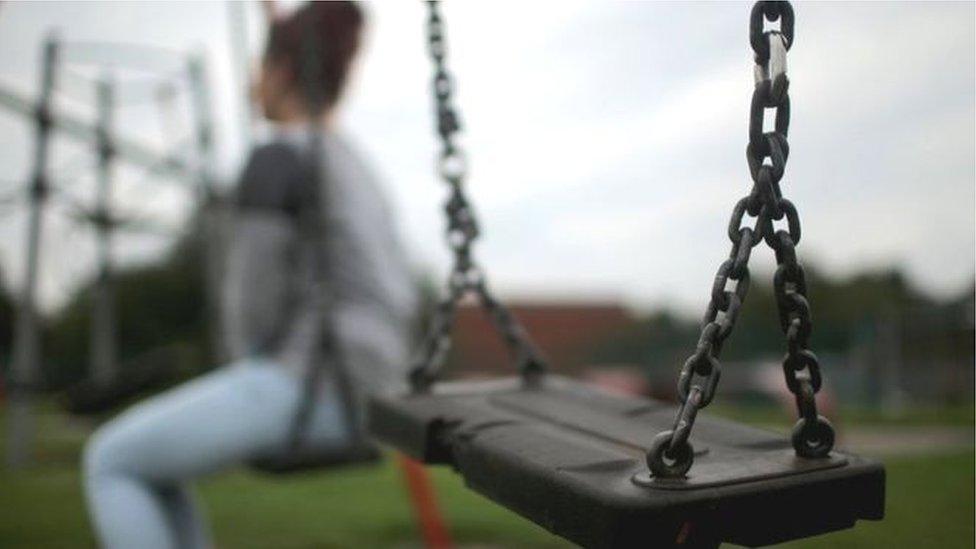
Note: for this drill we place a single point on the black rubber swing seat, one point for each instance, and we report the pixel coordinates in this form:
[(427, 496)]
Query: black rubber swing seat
[(571, 458), (317, 459)]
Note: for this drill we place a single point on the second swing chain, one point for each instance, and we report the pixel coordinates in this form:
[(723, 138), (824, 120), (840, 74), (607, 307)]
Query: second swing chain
[(671, 455)]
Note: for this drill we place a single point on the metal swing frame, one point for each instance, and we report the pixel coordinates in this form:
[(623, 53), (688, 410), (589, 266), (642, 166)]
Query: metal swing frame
[(23, 379)]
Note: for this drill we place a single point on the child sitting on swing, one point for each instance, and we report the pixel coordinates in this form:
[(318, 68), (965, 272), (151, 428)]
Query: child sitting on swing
[(139, 466)]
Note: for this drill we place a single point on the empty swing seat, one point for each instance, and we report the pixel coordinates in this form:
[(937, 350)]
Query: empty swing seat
[(571, 458)]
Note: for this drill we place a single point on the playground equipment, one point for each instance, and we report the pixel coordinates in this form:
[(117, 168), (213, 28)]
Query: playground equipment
[(588, 466), (189, 160)]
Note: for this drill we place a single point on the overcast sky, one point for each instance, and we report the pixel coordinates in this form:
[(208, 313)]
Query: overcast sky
[(606, 139)]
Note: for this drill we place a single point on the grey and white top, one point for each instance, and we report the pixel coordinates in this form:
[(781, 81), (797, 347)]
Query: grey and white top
[(272, 303)]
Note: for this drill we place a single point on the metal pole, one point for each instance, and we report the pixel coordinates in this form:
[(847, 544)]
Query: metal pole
[(237, 22), (894, 398), (72, 126), (103, 348), (210, 206), (25, 370)]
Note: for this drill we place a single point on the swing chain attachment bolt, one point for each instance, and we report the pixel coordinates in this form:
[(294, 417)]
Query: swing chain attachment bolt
[(665, 463), (813, 439)]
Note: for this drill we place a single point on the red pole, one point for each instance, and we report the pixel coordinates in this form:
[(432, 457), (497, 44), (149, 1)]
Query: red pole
[(424, 502)]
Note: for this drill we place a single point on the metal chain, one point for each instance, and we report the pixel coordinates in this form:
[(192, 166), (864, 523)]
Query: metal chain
[(671, 455), (466, 275)]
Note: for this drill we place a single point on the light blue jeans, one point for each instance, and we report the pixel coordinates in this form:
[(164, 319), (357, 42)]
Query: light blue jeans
[(137, 467)]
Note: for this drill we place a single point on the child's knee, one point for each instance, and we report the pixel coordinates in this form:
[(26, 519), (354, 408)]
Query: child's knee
[(103, 452)]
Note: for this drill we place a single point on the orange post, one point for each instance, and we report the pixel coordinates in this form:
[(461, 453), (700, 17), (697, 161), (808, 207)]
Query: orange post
[(424, 502)]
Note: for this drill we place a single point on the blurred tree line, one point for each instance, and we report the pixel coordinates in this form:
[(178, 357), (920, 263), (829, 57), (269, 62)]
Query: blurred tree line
[(877, 320), (844, 313), (6, 320), (160, 316)]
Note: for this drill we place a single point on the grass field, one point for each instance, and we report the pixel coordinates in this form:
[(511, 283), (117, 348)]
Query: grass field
[(930, 504)]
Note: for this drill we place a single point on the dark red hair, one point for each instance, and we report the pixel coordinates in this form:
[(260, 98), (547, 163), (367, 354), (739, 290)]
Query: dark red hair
[(334, 29)]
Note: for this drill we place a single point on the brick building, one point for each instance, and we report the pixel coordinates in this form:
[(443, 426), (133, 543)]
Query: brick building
[(568, 333)]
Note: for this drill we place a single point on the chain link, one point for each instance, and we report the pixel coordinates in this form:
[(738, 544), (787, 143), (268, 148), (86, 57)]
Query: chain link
[(670, 454), (466, 277)]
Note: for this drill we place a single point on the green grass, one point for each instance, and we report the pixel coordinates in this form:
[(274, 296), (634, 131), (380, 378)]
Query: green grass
[(930, 504)]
